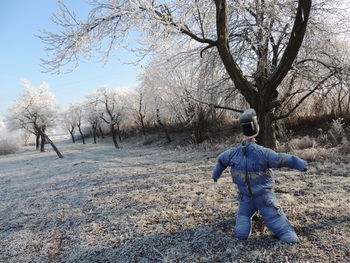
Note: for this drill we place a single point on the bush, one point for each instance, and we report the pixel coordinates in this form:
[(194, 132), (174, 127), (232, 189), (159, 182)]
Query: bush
[(315, 154), (344, 147), (8, 144), (322, 138), (336, 132), (301, 143)]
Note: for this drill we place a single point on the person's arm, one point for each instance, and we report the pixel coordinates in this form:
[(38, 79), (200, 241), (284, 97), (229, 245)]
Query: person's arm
[(221, 165), (277, 160)]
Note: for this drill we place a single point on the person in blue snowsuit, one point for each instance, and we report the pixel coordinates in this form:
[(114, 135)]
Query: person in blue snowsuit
[(251, 171)]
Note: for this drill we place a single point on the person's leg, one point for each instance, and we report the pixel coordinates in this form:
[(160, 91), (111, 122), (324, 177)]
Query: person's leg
[(244, 216), (275, 218)]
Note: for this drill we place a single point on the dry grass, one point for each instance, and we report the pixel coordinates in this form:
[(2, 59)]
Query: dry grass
[(316, 154), (302, 143), (344, 147), (159, 205)]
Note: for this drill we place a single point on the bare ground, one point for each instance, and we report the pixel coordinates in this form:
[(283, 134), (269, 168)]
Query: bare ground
[(151, 204)]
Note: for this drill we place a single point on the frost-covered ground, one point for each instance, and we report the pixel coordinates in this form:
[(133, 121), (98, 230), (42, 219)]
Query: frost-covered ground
[(151, 204)]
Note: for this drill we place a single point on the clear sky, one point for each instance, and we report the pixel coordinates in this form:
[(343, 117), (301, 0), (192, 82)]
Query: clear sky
[(20, 53)]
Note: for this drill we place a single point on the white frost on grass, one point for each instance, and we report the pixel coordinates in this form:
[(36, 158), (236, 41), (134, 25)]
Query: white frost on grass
[(149, 204)]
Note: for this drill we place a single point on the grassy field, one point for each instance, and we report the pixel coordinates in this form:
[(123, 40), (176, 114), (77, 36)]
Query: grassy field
[(151, 204)]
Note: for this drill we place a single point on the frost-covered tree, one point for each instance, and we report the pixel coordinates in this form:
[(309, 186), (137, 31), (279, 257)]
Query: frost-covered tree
[(140, 107), (78, 109), (91, 115), (156, 97), (191, 90), (70, 120), (111, 109), (325, 74), (17, 122), (35, 110), (257, 40)]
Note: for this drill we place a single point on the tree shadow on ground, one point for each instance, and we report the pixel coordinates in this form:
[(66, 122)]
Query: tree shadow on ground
[(327, 223), (211, 243), (204, 243), (208, 243)]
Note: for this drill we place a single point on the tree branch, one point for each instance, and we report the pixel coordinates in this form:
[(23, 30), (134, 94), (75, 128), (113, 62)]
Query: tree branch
[(218, 106), (204, 49), (233, 69), (183, 29), (292, 49), (304, 98)]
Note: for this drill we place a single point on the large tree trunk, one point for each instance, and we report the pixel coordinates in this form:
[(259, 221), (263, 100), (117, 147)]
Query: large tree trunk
[(142, 125), (81, 134), (262, 106), (101, 131), (141, 119), (37, 142), (94, 133), (43, 135), (163, 127), (267, 134), (54, 147), (42, 144), (197, 133), (72, 136), (113, 136), (118, 131), (198, 126)]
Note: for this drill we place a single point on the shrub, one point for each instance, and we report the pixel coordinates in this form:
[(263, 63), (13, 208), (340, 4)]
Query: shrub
[(336, 132), (8, 144), (315, 154), (301, 143), (323, 138), (344, 147)]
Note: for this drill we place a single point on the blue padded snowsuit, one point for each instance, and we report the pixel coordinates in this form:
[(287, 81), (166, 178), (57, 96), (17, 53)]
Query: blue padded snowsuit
[(250, 170)]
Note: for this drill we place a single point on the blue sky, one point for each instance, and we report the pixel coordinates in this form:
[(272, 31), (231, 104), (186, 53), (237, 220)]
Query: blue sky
[(20, 53)]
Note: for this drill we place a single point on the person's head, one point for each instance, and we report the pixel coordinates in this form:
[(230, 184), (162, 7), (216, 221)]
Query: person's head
[(249, 123)]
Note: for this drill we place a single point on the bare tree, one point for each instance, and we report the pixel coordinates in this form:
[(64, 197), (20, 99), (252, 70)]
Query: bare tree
[(36, 109), (79, 113), (70, 120), (112, 106), (183, 88), (257, 40), (155, 98), (18, 122), (91, 115), (140, 108), (111, 113)]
